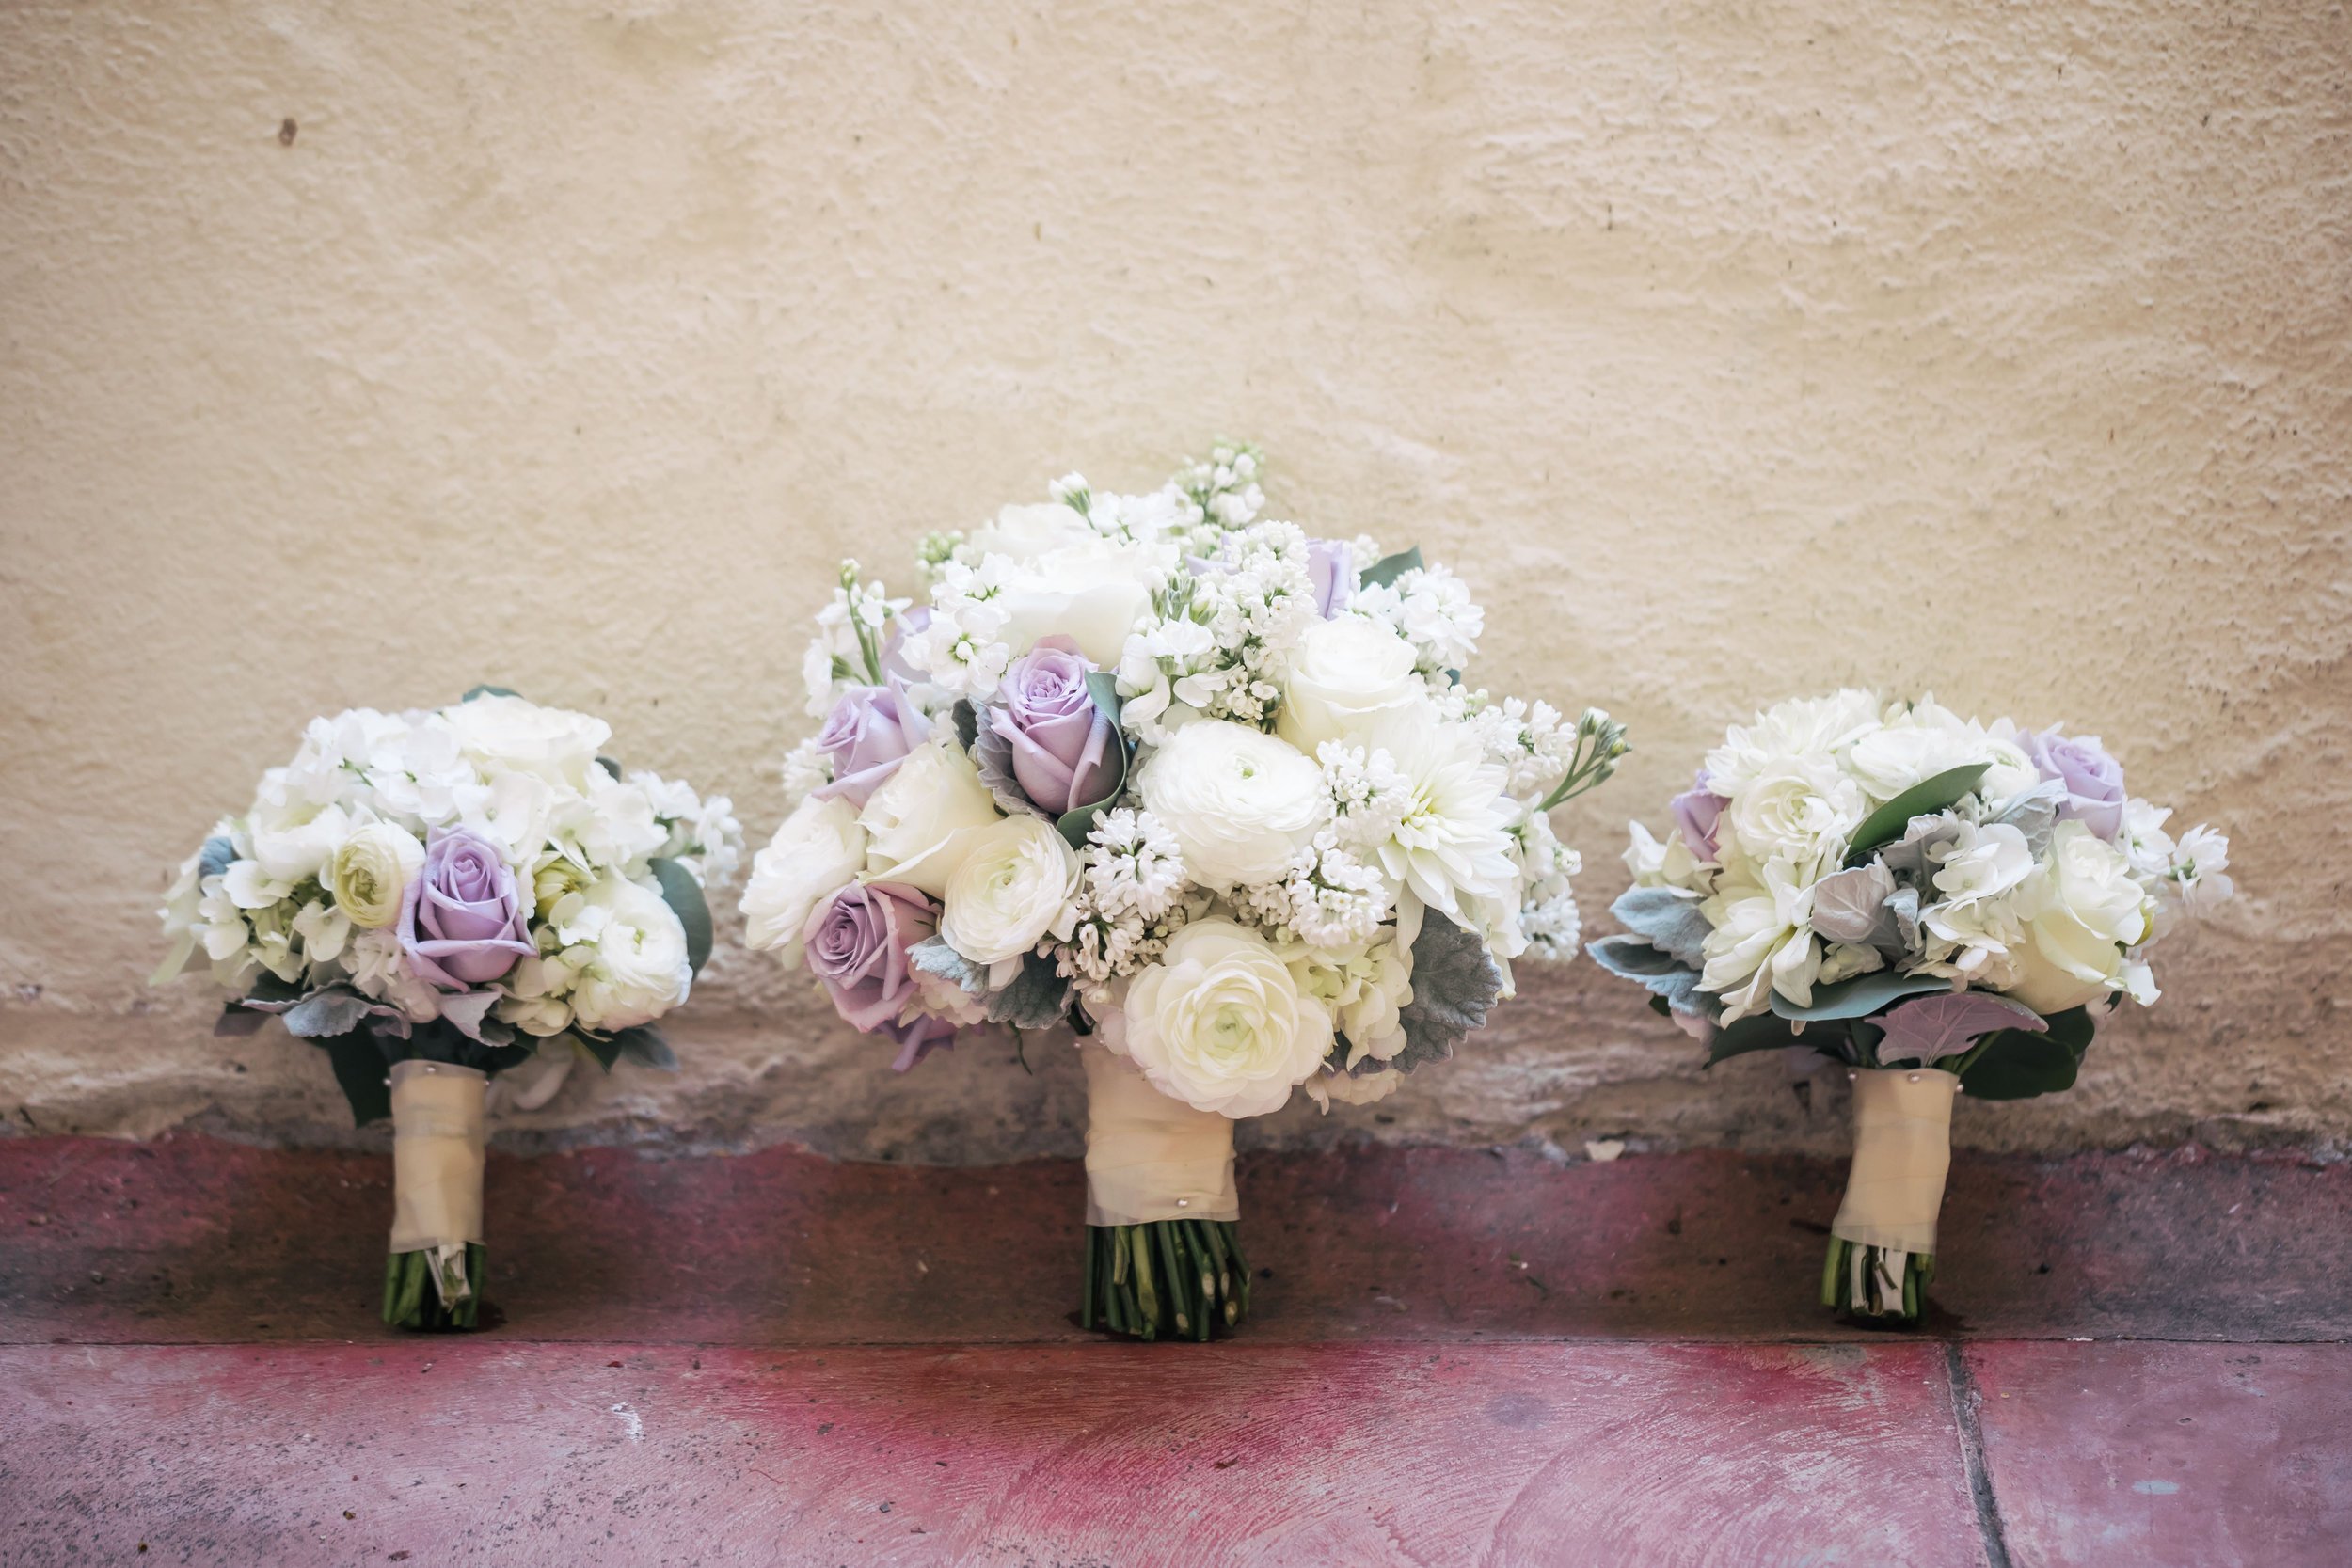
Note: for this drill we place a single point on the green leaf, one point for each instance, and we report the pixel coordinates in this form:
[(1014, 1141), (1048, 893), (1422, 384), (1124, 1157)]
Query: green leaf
[(1756, 1032), (605, 1049), (2018, 1066), (1075, 825), (359, 1071), (1859, 997), (685, 897), (610, 766), (488, 691), (967, 719), (1886, 824), (1389, 568)]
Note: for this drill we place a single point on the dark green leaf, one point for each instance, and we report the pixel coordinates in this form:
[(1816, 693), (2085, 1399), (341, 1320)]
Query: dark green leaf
[(1389, 568), (271, 994), (1756, 1032), (488, 691), (968, 723), (1075, 825), (2018, 1066), (1886, 824), (1859, 997), (610, 766), (236, 1021), (605, 1049), (685, 897), (359, 1069)]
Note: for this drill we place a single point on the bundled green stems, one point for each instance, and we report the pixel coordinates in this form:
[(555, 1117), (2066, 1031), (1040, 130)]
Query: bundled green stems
[(1866, 1281), (1183, 1279), (413, 1298)]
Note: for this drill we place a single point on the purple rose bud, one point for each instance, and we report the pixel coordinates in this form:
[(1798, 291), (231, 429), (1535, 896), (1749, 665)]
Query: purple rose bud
[(1064, 749), (1331, 567), (919, 1038), (1697, 811), (462, 921), (2093, 780), (857, 944), (869, 732)]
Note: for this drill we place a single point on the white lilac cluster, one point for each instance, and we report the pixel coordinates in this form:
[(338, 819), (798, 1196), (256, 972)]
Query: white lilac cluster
[(474, 873), (1842, 838), (1167, 766)]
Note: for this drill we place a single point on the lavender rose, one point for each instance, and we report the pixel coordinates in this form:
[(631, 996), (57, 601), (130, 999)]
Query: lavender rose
[(1331, 567), (870, 731), (1697, 811), (1063, 751), (2093, 780), (461, 921), (857, 944)]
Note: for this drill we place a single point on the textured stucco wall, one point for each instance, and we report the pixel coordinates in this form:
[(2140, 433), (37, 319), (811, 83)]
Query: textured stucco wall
[(1731, 352)]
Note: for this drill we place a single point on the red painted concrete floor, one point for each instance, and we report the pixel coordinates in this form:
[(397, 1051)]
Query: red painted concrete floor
[(1458, 1358)]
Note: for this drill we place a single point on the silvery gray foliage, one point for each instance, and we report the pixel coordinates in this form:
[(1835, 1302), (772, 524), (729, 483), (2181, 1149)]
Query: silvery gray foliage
[(2035, 813), (1851, 906), (1038, 999), (933, 955), (1907, 857), (1928, 1028), (1633, 959), (1454, 982), (1668, 920)]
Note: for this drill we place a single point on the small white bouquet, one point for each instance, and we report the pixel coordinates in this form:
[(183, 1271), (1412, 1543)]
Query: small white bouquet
[(431, 899), (1207, 790), (1944, 906)]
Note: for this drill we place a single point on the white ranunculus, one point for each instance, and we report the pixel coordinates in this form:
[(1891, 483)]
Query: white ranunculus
[(1800, 809), (1090, 591), (1220, 1023), (1348, 676), (551, 743), (1805, 727), (918, 823), (1240, 802), (820, 850), (628, 953), (293, 840), (1015, 886), (2081, 910), (370, 873)]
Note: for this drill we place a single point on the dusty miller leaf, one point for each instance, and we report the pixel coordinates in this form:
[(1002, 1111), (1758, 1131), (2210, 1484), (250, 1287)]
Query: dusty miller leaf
[(1036, 1000), (933, 955), (1675, 983), (325, 1014), (1851, 906), (1454, 982), (1667, 920)]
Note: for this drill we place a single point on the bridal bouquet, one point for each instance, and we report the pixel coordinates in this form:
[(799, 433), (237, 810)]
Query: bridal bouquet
[(1942, 905), (431, 897), (1207, 790)]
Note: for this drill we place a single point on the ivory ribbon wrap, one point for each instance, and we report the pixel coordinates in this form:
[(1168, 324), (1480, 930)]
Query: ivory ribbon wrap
[(1902, 1150), (436, 1159), (1149, 1157)]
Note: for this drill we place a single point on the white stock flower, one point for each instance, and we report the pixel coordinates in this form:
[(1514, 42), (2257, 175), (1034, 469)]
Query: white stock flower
[(1013, 887), (2144, 841), (1240, 803), (627, 952), (551, 743), (2082, 910), (370, 873), (1220, 1023), (2199, 870), (1348, 676), (818, 851), (918, 823)]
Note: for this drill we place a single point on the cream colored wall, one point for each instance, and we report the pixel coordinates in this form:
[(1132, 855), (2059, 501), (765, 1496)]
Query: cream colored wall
[(1730, 352)]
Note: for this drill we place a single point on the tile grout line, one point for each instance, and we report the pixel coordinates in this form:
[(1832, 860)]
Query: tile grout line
[(1966, 1402)]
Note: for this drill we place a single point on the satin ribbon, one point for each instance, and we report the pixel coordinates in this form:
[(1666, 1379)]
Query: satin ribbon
[(1902, 1150), (438, 1143), (1151, 1157)]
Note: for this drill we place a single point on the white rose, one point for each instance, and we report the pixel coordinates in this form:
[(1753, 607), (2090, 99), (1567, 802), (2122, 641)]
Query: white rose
[(1023, 533), (294, 841), (1348, 676), (1220, 1023), (918, 823), (629, 953), (2081, 912), (1800, 809), (370, 874), (820, 850), (1240, 803), (551, 743), (1092, 592), (1013, 886)]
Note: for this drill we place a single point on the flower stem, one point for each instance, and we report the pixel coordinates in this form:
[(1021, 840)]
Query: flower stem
[(411, 1300), (1889, 1291), (1171, 1279)]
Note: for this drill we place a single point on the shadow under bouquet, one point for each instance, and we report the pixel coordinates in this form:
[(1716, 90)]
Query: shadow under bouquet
[(432, 898), (1942, 906), (1205, 790)]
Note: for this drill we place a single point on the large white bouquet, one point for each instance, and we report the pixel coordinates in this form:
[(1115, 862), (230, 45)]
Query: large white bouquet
[(429, 897), (1942, 905), (1209, 791)]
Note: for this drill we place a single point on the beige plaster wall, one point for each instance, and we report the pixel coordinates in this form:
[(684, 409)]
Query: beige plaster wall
[(1731, 352)]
